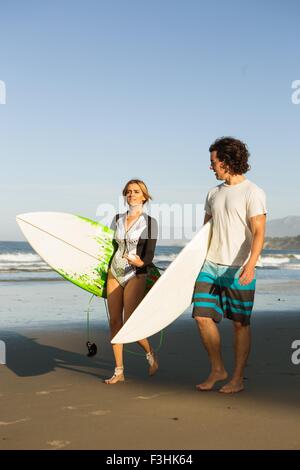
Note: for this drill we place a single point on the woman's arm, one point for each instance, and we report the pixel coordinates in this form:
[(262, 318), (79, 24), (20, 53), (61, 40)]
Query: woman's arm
[(148, 255)]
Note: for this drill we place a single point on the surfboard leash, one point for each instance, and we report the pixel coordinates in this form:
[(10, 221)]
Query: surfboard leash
[(92, 347), (133, 352)]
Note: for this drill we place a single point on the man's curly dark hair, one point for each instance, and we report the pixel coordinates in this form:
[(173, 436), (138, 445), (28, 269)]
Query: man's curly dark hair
[(233, 152)]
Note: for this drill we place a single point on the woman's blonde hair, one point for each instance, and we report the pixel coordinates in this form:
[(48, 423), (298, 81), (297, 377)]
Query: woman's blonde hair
[(142, 186)]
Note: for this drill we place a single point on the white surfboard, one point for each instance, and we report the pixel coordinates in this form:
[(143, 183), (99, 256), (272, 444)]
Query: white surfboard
[(171, 295), (79, 249)]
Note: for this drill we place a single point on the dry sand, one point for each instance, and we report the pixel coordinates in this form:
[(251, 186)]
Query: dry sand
[(52, 395)]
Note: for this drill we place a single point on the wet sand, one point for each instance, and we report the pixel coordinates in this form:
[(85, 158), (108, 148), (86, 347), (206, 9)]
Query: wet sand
[(52, 395)]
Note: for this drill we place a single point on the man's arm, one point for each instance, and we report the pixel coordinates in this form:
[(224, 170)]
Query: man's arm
[(207, 217), (257, 225)]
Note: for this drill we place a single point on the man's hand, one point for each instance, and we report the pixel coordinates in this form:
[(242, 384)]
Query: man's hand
[(247, 274)]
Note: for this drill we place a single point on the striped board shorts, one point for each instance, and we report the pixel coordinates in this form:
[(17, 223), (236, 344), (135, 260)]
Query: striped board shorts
[(218, 294)]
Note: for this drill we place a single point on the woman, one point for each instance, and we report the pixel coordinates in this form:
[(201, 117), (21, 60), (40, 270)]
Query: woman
[(135, 234)]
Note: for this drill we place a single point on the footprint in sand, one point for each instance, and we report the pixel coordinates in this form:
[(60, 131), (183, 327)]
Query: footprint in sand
[(47, 392), (149, 397), (72, 407), (58, 444), (99, 412), (8, 423), (89, 413)]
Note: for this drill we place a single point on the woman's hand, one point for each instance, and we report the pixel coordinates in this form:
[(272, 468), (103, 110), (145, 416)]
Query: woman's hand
[(134, 260)]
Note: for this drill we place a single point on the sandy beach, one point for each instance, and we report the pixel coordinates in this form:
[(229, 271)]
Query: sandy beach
[(52, 395), (141, 134)]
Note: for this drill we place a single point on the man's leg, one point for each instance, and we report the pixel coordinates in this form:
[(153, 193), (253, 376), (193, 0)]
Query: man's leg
[(211, 339), (242, 345)]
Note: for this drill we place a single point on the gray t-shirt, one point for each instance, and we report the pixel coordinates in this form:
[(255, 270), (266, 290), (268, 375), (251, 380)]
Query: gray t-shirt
[(231, 207)]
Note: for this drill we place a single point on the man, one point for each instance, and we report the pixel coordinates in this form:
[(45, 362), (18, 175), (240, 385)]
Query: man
[(225, 286)]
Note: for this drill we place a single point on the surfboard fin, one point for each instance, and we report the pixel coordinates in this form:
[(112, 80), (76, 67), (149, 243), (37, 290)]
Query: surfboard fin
[(92, 349)]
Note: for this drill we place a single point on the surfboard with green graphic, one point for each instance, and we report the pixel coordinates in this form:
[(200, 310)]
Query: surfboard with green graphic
[(78, 248)]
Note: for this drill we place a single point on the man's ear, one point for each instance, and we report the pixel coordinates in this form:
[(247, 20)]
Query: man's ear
[(226, 167)]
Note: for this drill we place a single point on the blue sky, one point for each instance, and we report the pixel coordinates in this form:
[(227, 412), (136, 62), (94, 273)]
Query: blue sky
[(99, 91)]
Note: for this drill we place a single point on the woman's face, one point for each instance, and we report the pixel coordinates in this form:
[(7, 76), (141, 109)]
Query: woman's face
[(134, 195)]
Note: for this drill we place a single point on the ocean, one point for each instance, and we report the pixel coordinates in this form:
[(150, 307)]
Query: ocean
[(19, 262), (32, 295)]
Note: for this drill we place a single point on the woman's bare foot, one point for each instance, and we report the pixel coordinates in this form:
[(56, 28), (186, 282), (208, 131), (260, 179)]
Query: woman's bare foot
[(215, 376), (234, 386), (153, 362), (117, 377)]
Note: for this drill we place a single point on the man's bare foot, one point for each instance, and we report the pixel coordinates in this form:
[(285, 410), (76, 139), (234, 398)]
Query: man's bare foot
[(234, 386), (214, 377)]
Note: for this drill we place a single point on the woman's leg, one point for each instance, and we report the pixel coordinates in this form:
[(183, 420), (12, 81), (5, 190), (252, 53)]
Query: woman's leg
[(134, 293), (115, 308)]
